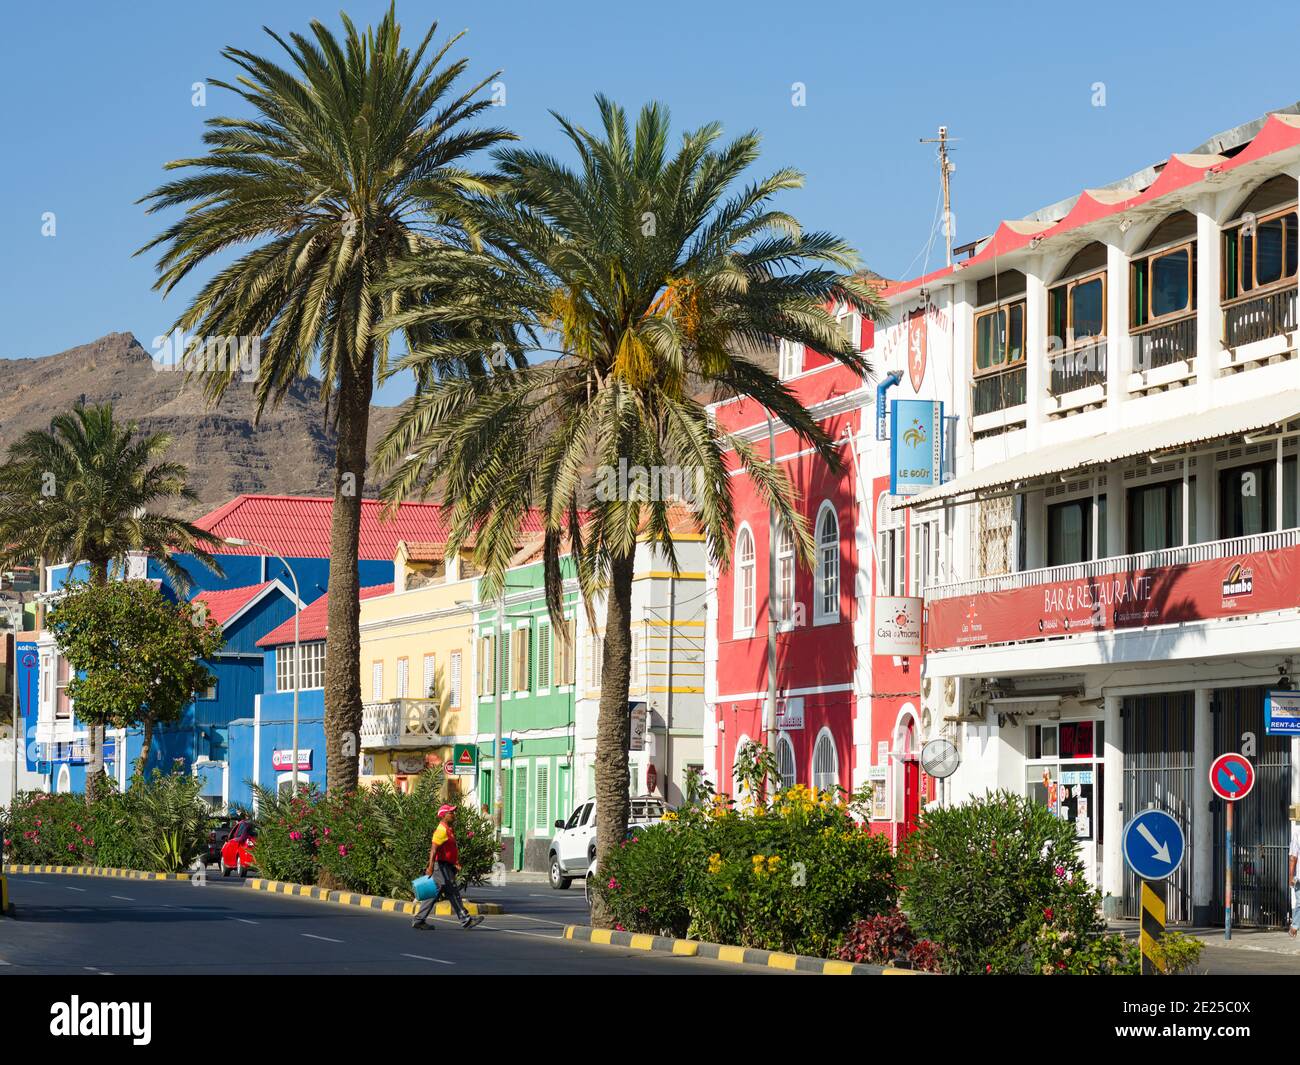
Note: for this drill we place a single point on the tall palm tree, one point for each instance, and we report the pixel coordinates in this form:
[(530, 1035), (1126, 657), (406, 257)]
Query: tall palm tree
[(656, 282), (349, 163), (87, 490)]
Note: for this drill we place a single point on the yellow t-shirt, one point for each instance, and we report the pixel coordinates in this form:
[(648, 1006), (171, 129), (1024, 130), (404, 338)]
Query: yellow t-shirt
[(440, 835)]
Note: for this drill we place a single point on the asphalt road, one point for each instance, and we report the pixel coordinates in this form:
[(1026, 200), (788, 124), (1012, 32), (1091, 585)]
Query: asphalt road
[(97, 925)]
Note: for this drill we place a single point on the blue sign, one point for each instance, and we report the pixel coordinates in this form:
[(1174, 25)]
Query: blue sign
[(1153, 845), (915, 446), (507, 747), (1282, 713)]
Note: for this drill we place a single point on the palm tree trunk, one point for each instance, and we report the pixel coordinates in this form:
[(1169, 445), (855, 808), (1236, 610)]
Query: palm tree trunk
[(146, 742), (343, 631), (614, 725), (95, 731)]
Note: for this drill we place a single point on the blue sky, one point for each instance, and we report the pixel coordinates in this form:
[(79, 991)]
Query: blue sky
[(96, 97)]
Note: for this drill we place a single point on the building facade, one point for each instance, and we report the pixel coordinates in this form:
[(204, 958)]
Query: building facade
[(1122, 593)]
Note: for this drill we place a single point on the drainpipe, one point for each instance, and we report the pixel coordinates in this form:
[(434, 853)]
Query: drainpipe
[(885, 385)]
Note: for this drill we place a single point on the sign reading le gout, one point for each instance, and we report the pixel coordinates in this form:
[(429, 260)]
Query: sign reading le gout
[(898, 626), (915, 446)]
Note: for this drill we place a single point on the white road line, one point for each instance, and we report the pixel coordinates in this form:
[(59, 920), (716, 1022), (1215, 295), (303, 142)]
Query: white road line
[(421, 957), (535, 935), (124, 898), (3, 962), (327, 939), (242, 920), (539, 920), (81, 889)]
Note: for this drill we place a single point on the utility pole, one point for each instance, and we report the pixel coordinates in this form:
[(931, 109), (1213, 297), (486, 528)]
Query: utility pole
[(945, 169), (498, 792), (771, 599)]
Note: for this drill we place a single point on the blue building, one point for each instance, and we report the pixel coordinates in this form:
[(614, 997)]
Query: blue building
[(252, 597)]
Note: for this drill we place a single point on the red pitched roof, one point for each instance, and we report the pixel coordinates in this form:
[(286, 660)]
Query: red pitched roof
[(299, 526), (312, 619), (224, 605)]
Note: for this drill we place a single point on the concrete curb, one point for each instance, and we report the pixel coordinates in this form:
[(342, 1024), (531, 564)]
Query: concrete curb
[(373, 902), (280, 887), (95, 870), (695, 948)]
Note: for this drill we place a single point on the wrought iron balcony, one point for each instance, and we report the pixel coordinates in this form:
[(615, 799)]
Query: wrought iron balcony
[(397, 723), (998, 391), (1272, 314)]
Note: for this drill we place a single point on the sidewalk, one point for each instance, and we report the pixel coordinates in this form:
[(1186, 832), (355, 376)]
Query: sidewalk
[(1270, 940)]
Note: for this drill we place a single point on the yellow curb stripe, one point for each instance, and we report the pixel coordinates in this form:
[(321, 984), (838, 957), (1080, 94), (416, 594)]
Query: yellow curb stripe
[(781, 961), (568, 931), (838, 968), (642, 942), (687, 947), (736, 954), (602, 935), (900, 972)]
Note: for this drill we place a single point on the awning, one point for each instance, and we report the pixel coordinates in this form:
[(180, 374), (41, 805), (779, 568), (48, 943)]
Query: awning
[(1152, 439)]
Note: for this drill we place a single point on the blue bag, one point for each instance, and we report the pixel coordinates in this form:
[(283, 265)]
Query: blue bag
[(425, 888)]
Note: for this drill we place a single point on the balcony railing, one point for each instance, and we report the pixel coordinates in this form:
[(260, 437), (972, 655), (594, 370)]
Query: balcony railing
[(399, 723), (1164, 345), (1272, 314), (1081, 367), (1146, 560), (999, 391)]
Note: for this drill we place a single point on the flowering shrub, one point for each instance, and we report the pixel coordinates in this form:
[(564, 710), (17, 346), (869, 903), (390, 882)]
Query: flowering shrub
[(792, 876), (374, 840), (999, 884)]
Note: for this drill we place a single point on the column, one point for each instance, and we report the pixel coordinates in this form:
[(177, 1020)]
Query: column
[(1202, 841), (1036, 376), (1209, 324), (1112, 858)]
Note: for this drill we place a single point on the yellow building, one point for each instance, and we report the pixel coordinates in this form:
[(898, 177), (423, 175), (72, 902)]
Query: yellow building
[(417, 667)]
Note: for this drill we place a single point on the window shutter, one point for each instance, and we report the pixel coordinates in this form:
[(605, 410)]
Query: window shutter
[(485, 666), (455, 678), (597, 659), (403, 677), (571, 657), (543, 794), (503, 660), (377, 681), (430, 672), (543, 655), (520, 819), (520, 663)]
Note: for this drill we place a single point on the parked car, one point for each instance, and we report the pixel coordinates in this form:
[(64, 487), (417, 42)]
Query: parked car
[(219, 829), (573, 847), (237, 851)]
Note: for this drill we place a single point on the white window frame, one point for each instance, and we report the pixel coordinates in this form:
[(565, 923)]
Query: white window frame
[(541, 793), (789, 359), (403, 677), (891, 548), (454, 680), (784, 743), (785, 577), (745, 590), (377, 681), (926, 540), (430, 675), (822, 616), (815, 777)]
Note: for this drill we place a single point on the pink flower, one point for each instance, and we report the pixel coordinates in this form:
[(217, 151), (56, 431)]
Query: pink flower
[(90, 843), (620, 928), (72, 846), (38, 822), (1048, 913), (9, 843), (613, 884), (343, 850), (636, 839), (1060, 870), (327, 831), (469, 835)]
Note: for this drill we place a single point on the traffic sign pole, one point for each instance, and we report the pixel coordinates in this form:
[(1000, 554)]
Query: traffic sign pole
[(1152, 933), (1227, 872), (1232, 776)]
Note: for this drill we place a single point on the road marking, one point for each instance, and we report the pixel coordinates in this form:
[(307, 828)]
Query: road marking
[(3, 962), (81, 889), (421, 957), (539, 920), (535, 935), (327, 939), (243, 920), (124, 898)]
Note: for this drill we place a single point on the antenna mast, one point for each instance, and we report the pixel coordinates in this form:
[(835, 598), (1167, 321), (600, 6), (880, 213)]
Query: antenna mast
[(945, 169)]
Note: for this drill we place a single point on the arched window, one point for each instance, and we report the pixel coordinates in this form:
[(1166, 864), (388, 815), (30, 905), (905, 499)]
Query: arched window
[(826, 764), (64, 784), (784, 574), (741, 791), (1162, 273), (745, 582), (785, 762), (827, 595), (891, 546)]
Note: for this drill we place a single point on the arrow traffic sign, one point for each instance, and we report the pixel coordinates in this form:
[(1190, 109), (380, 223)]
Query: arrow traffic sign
[(1153, 845), (1232, 776)]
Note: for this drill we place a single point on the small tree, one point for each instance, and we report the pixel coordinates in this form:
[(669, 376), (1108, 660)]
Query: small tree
[(135, 654)]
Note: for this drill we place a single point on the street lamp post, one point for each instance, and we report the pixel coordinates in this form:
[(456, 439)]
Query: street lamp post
[(297, 648)]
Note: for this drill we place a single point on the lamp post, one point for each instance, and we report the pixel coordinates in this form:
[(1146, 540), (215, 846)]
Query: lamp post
[(297, 648)]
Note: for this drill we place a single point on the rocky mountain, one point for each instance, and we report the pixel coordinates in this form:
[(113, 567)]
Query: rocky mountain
[(290, 451)]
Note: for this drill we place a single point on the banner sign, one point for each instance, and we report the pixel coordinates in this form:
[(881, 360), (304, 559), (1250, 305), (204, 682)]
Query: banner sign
[(789, 714), (464, 759), (1282, 713), (898, 626), (915, 446), (282, 761), (1124, 599)]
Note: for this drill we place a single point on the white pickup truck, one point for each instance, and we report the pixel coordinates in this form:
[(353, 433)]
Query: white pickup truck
[(573, 847)]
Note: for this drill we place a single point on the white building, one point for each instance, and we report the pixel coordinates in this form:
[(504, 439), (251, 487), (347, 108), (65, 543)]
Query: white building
[(1125, 576)]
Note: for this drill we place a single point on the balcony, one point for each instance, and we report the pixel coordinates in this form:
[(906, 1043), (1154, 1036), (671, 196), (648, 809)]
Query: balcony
[(1164, 345), (399, 723), (1214, 580), (1272, 314), (1082, 367), (999, 391)]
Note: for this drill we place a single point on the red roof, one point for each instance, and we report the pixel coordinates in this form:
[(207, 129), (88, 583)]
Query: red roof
[(299, 526), (224, 605), (312, 619)]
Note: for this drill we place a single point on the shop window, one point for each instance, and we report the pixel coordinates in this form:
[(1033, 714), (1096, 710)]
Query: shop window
[(1246, 500)]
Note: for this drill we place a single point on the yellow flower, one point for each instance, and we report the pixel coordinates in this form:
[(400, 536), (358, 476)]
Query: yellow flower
[(715, 863), (669, 816), (772, 863)]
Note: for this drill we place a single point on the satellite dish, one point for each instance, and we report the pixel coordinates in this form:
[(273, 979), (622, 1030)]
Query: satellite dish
[(939, 759)]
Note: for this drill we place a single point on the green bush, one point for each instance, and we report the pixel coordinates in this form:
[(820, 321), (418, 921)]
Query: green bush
[(998, 883), (792, 877), (1177, 953)]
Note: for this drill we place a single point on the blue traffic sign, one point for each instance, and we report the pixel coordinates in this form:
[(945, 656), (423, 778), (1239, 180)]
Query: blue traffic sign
[(1153, 845)]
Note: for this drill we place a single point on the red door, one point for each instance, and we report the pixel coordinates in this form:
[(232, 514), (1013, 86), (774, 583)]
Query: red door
[(911, 794)]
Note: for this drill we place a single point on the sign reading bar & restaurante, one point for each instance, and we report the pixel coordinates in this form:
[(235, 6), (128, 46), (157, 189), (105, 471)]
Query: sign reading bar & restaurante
[(1125, 599)]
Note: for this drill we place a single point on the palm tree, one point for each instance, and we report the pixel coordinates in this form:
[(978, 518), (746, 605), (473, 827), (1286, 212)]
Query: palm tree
[(349, 163), (85, 490), (654, 288)]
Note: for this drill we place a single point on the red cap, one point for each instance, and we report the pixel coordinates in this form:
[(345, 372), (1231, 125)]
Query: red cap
[(446, 808)]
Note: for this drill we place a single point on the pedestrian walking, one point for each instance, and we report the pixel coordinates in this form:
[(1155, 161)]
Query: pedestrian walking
[(444, 864), (1293, 859)]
